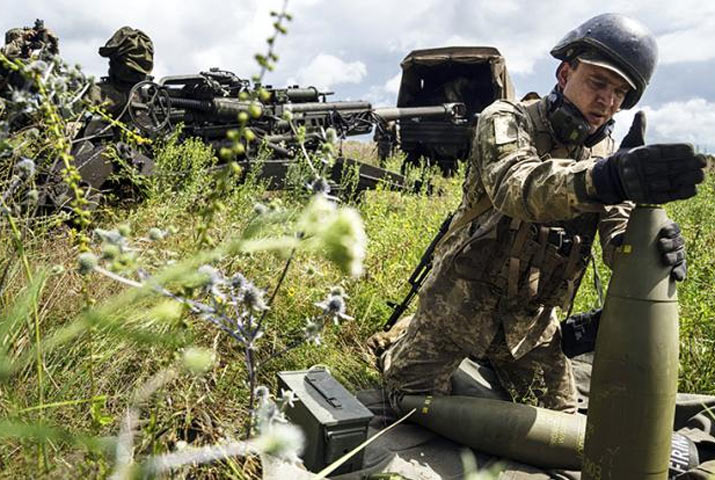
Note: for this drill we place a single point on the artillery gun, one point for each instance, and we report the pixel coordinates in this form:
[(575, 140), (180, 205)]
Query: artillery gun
[(208, 105)]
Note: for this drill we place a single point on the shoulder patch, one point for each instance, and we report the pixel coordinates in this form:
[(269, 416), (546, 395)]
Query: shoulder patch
[(505, 130)]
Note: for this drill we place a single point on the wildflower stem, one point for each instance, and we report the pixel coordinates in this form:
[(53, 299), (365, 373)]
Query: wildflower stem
[(17, 238), (271, 45), (251, 371), (118, 278), (273, 356), (303, 150), (278, 286), (16, 181)]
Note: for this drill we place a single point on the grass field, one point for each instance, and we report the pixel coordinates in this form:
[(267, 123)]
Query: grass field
[(93, 365)]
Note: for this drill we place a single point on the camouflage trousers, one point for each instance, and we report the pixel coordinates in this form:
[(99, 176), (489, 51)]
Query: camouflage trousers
[(452, 323)]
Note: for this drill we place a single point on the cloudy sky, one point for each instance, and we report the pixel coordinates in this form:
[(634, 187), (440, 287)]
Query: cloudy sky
[(355, 47)]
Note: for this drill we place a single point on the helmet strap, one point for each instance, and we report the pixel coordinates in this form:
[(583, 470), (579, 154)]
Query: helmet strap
[(569, 124)]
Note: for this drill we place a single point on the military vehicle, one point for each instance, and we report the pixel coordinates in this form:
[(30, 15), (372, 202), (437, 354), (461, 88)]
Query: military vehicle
[(474, 76)]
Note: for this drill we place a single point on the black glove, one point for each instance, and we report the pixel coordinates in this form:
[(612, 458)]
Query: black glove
[(657, 173), (578, 333), (636, 134), (671, 245)]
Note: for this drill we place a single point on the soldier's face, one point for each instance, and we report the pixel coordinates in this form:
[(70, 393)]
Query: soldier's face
[(596, 91)]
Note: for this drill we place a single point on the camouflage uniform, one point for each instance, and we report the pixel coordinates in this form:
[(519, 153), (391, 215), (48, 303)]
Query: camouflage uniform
[(131, 59), (496, 281), (24, 43)]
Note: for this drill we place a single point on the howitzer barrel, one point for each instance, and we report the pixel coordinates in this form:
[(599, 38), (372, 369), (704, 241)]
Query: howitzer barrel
[(221, 107), (449, 110), (302, 94), (296, 94), (327, 106), (288, 137)]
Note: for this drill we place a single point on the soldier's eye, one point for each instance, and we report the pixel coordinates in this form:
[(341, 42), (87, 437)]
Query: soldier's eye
[(597, 83)]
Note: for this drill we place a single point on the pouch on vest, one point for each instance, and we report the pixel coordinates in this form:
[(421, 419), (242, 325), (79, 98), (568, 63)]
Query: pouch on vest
[(524, 263)]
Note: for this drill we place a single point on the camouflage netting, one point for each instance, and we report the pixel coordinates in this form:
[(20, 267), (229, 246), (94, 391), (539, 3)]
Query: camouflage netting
[(131, 55)]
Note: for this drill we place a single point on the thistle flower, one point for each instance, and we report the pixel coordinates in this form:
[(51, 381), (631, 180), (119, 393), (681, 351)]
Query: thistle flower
[(253, 297), (25, 169), (38, 66), (288, 397), (262, 393), (32, 196), (287, 114), (167, 311), (238, 281), (338, 291), (259, 208), (282, 440), (312, 331), (113, 237), (314, 218), (334, 307), (124, 230), (198, 360), (344, 241), (211, 275), (87, 262), (156, 234), (319, 186), (331, 135), (110, 251)]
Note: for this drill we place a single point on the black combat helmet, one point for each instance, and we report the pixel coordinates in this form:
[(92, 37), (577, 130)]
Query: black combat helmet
[(618, 39)]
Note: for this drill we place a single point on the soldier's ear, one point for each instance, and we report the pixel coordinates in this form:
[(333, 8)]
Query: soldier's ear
[(563, 73)]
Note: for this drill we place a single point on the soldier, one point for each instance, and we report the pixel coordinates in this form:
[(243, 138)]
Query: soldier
[(131, 59), (28, 41), (542, 179), (25, 43)]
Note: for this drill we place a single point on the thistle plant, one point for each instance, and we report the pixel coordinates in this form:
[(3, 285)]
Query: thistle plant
[(51, 97), (205, 285)]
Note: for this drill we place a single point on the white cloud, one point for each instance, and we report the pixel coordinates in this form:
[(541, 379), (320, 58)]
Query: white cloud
[(393, 84), (691, 121), (362, 42), (188, 36), (326, 70), (689, 45)]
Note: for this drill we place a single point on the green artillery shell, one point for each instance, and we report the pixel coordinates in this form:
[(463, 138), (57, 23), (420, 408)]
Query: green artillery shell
[(536, 436), (635, 370), (532, 435)]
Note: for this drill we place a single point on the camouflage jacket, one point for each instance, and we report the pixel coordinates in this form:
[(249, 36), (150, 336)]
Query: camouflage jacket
[(111, 96), (531, 246)]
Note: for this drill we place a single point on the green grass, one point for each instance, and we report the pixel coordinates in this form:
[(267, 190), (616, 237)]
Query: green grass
[(111, 358)]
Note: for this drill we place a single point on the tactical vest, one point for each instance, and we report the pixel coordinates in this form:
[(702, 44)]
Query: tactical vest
[(526, 264)]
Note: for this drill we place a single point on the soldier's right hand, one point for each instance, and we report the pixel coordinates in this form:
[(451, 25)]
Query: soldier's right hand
[(654, 174)]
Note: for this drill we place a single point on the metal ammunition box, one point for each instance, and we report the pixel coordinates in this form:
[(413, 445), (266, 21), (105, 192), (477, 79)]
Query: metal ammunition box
[(332, 419)]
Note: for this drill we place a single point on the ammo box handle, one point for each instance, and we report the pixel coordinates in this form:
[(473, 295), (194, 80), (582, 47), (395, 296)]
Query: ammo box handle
[(322, 384)]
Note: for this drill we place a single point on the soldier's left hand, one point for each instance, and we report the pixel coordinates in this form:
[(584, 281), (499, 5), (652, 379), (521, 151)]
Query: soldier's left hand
[(671, 245)]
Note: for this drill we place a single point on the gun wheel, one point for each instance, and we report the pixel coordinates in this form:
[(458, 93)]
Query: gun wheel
[(149, 107)]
